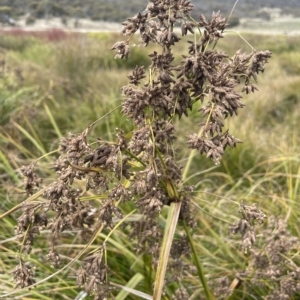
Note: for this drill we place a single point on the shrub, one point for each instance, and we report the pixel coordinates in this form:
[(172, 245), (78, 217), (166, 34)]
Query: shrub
[(234, 21), (5, 10), (58, 10), (77, 12), (30, 20)]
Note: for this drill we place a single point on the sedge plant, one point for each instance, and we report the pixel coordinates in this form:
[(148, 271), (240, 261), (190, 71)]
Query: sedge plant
[(98, 181)]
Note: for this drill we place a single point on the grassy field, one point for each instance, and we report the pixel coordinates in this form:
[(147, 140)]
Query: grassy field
[(54, 83)]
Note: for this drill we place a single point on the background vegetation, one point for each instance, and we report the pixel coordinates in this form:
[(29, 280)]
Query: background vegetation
[(119, 10), (53, 83)]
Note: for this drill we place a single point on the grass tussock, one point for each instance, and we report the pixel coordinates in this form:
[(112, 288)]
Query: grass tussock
[(52, 88)]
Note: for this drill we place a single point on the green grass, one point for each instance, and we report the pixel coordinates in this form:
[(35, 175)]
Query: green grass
[(69, 84)]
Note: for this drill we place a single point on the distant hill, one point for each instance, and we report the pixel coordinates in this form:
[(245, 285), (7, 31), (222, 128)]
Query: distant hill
[(120, 10)]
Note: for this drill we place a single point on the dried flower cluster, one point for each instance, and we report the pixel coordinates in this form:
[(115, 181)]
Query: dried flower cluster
[(93, 275), (31, 180), (23, 275), (251, 216), (272, 267), (143, 169), (205, 74)]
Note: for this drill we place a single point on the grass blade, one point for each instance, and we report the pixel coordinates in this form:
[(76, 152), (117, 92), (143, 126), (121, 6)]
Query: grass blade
[(129, 288), (7, 167), (53, 122), (171, 223), (31, 138)]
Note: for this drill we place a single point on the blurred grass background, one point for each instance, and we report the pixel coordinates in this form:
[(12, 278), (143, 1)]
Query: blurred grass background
[(55, 83)]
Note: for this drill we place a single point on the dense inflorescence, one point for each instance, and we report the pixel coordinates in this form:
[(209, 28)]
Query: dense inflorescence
[(143, 168), (273, 265), (251, 216)]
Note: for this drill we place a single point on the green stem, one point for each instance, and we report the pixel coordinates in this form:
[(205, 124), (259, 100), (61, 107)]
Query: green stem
[(209, 295)]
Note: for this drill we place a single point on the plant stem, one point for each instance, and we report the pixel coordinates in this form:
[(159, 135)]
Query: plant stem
[(209, 295)]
